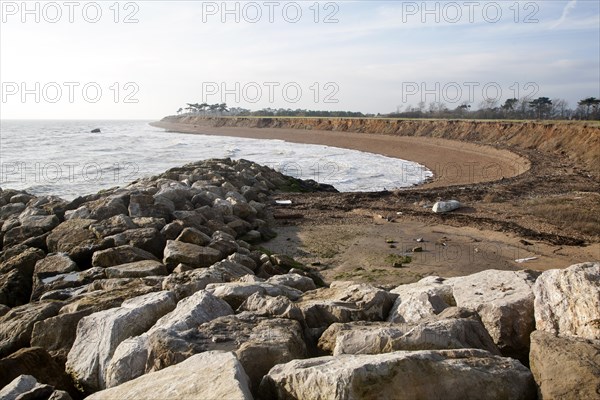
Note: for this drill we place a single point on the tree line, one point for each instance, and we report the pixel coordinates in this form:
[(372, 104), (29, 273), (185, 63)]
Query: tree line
[(523, 108)]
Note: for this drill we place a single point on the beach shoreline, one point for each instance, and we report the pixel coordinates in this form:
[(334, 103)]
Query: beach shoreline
[(452, 162)]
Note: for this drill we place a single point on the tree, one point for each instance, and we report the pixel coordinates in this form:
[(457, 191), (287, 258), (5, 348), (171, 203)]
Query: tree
[(179, 111), (541, 106), (590, 102)]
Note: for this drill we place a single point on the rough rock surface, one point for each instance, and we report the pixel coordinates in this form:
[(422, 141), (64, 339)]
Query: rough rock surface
[(429, 374), (504, 300), (385, 337), (565, 368), (17, 324), (136, 356), (345, 302), (37, 362), (99, 334), (210, 375), (567, 301)]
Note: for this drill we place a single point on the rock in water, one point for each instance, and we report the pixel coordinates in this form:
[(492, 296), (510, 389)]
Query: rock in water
[(567, 301), (430, 374), (446, 206), (96, 130), (209, 375)]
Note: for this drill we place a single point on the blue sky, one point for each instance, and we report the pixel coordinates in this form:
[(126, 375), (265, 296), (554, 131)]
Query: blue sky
[(365, 56)]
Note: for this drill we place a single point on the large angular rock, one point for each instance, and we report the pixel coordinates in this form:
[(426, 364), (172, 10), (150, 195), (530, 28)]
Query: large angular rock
[(194, 236), (136, 269), (37, 362), (184, 284), (302, 283), (210, 375), (429, 374), (143, 205), (567, 301), (17, 324), (193, 255), (148, 239), (16, 275), (345, 302), (25, 387), (99, 299), (57, 334), (271, 306), (99, 334), (504, 300), (428, 297), (565, 368), (235, 293), (42, 286), (385, 337), (112, 226), (136, 356), (15, 288), (74, 238), (120, 255)]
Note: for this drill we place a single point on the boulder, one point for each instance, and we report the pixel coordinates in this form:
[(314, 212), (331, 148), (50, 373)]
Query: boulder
[(210, 375), (446, 206), (567, 301), (99, 298), (54, 264), (57, 334), (16, 276), (17, 324), (428, 374), (194, 236), (136, 356), (504, 300), (25, 387), (143, 205), (148, 239), (565, 367), (74, 238), (36, 362), (112, 226), (120, 255), (428, 297), (235, 293), (193, 255), (345, 302), (271, 306), (184, 284), (99, 334), (15, 288), (43, 287), (385, 337), (136, 269), (302, 283)]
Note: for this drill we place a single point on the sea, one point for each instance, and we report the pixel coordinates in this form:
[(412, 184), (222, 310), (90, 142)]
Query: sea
[(63, 157)]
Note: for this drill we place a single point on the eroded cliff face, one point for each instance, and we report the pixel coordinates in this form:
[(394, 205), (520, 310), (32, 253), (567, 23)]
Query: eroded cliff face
[(579, 141)]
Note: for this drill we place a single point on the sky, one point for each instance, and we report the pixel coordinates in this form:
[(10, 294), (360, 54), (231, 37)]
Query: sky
[(145, 59)]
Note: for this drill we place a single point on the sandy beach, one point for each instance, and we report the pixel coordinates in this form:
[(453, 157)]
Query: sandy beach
[(452, 162), (518, 203)]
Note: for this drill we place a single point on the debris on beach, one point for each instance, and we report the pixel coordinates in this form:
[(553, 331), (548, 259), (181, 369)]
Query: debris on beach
[(446, 206), (522, 260)]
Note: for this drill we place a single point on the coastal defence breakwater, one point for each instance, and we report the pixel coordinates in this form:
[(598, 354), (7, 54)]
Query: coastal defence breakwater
[(576, 140)]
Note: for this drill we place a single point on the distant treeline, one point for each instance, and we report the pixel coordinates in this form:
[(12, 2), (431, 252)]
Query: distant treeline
[(524, 108)]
